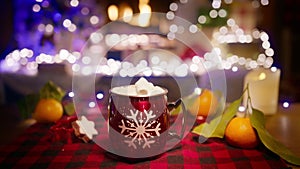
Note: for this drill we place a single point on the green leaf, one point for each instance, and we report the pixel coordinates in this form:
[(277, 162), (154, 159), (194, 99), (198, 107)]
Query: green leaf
[(216, 127), (207, 130), (229, 113), (258, 122), (69, 109), (50, 90), (188, 101), (27, 105)]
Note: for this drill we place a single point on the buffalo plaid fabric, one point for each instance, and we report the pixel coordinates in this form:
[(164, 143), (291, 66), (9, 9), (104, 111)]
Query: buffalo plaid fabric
[(31, 150)]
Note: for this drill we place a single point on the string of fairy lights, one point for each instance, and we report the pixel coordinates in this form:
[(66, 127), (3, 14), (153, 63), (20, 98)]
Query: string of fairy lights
[(27, 61), (230, 33)]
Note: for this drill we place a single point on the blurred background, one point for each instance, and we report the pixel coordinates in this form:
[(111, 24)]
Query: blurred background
[(51, 27)]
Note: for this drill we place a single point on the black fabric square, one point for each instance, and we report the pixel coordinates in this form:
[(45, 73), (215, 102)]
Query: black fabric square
[(175, 160), (17, 154), (50, 153), (108, 164), (202, 148), (207, 160), (75, 164), (240, 159), (39, 165), (82, 152)]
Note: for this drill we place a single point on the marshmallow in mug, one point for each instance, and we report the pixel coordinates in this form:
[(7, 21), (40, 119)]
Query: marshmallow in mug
[(141, 88)]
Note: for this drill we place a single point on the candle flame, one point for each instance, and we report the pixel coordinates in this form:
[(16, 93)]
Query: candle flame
[(145, 15), (127, 14), (144, 1), (113, 12), (262, 76)]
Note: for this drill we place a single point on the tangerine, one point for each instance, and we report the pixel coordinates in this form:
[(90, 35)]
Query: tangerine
[(240, 133), (205, 104), (48, 110)]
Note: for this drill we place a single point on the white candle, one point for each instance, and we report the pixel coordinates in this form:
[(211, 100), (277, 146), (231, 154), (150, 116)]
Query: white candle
[(264, 89)]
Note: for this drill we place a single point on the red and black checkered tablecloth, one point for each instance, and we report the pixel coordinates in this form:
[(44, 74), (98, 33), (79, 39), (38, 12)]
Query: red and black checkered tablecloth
[(32, 150)]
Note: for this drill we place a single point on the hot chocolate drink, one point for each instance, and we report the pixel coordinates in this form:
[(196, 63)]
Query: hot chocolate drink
[(138, 119)]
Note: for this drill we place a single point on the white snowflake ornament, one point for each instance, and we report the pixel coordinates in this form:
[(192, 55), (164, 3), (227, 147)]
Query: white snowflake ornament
[(84, 129), (139, 128)]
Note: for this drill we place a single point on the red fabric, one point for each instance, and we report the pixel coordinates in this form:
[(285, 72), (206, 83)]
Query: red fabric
[(32, 150)]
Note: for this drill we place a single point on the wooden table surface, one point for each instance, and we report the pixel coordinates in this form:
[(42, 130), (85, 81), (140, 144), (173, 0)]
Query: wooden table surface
[(285, 127)]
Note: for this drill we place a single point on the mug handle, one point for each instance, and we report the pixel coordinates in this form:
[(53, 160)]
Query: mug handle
[(173, 105)]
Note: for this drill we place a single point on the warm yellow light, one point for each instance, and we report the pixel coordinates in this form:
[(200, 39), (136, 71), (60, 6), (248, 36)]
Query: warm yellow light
[(127, 14), (144, 8), (262, 76), (113, 12), (144, 1), (145, 15)]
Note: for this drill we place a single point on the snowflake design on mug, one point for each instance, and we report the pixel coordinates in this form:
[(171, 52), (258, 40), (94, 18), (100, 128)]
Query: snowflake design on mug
[(139, 130)]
